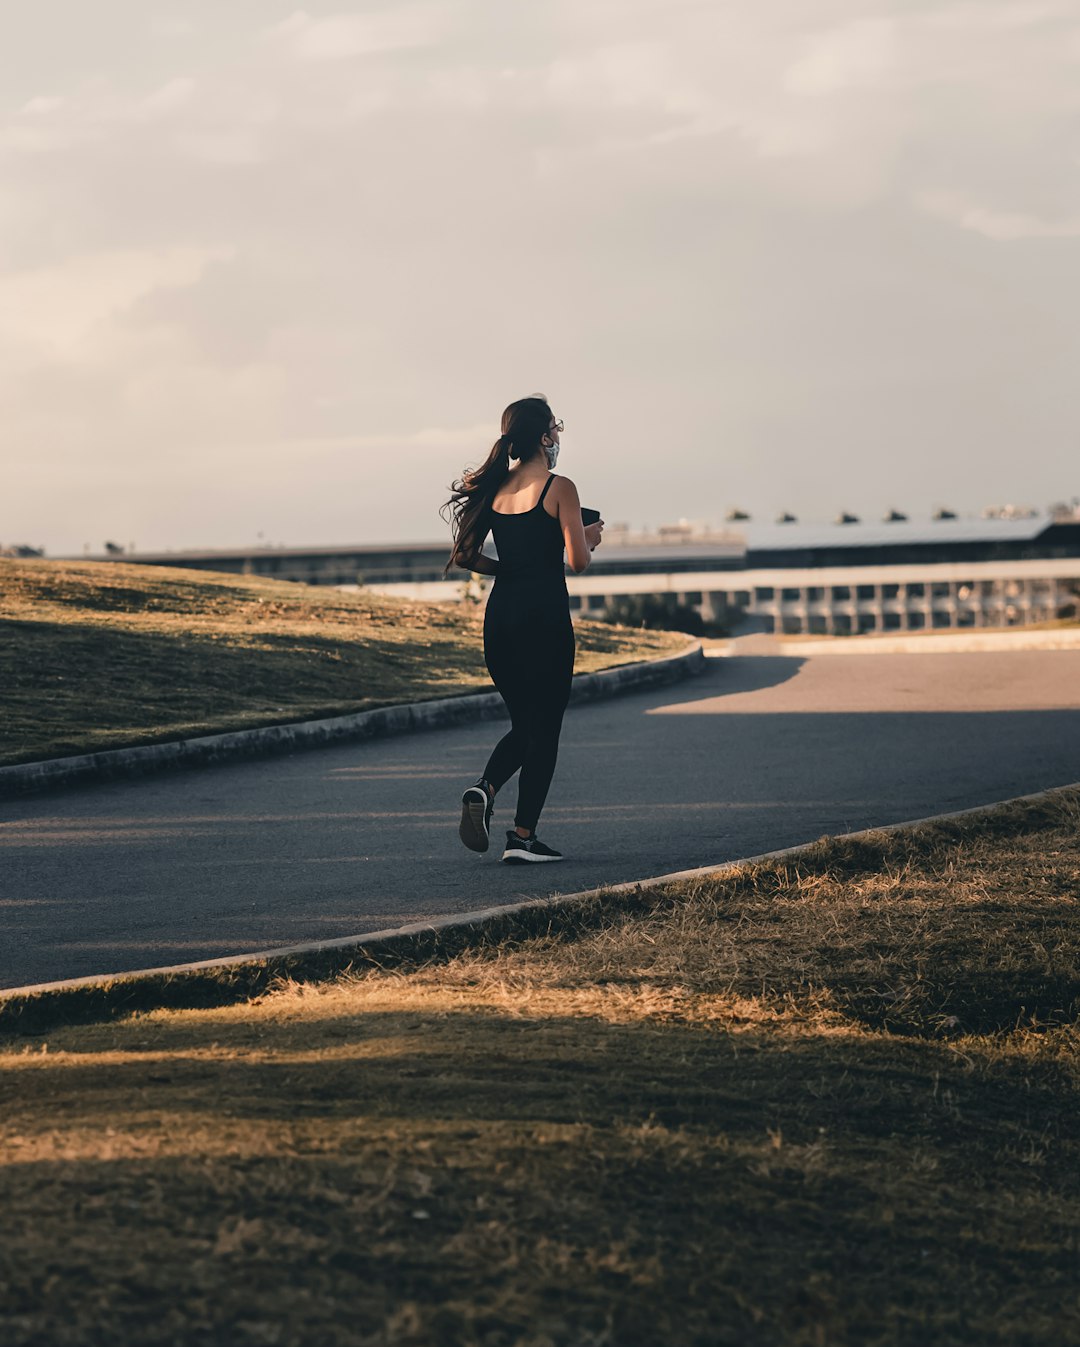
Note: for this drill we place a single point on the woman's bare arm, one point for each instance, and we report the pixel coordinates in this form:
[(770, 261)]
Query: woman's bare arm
[(578, 554), (479, 563)]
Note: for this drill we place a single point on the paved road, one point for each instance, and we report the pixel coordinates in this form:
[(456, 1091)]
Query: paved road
[(760, 752)]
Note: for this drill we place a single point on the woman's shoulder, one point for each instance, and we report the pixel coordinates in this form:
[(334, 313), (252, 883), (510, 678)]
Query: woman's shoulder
[(561, 498)]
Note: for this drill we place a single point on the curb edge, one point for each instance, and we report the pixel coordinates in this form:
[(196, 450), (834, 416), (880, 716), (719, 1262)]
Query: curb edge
[(277, 961), (380, 723)]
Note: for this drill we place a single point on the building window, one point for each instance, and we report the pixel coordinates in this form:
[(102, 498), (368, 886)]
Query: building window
[(942, 620), (916, 621), (842, 624), (818, 625), (764, 594), (596, 601), (867, 622), (792, 626), (866, 592), (791, 595), (917, 590), (892, 621), (694, 596), (815, 594), (841, 591), (940, 590), (575, 602), (741, 598), (890, 591)]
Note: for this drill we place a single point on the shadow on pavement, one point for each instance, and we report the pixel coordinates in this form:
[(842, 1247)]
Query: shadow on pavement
[(750, 673)]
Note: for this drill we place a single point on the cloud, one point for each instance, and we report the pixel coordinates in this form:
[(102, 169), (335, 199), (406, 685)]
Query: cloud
[(61, 308), (721, 230), (170, 26), (626, 75), (857, 55), (1002, 226), (826, 106), (224, 145), (42, 104), (174, 94), (336, 37)]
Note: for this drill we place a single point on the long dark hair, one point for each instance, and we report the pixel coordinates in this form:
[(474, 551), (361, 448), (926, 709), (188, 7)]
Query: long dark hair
[(524, 425)]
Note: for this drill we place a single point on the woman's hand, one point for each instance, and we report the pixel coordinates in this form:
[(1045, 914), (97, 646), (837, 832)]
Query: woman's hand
[(594, 534)]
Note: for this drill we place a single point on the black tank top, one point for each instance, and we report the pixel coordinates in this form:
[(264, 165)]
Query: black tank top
[(530, 545)]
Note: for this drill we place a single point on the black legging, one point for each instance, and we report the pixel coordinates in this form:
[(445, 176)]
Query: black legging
[(529, 650)]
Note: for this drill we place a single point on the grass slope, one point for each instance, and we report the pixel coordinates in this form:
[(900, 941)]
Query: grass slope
[(832, 1102), (97, 655)]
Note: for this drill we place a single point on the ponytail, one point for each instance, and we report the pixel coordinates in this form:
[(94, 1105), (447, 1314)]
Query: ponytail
[(524, 424)]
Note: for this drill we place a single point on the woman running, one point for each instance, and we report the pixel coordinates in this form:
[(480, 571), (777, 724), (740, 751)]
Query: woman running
[(528, 637)]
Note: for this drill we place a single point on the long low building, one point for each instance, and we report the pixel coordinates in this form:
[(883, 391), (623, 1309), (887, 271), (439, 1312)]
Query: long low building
[(851, 578), (841, 600), (792, 578)]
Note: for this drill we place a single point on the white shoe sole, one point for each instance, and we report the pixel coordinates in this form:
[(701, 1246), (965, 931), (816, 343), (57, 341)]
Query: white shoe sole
[(473, 829), (514, 857)]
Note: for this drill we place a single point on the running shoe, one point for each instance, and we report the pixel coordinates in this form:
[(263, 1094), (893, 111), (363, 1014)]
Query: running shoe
[(524, 850), (475, 826)]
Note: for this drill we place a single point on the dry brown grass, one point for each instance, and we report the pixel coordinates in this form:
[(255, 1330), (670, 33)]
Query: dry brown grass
[(824, 1103), (97, 655)]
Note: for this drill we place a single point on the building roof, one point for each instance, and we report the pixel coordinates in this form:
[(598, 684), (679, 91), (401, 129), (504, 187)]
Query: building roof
[(699, 551), (744, 540), (241, 553), (911, 532)]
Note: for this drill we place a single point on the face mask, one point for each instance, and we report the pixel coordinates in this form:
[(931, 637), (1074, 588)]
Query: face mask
[(552, 452)]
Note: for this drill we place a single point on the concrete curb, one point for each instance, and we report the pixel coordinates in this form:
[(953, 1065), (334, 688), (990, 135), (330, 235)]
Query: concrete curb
[(24, 778), (338, 955)]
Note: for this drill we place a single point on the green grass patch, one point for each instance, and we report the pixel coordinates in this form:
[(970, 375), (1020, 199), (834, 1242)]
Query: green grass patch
[(827, 1101), (98, 655)]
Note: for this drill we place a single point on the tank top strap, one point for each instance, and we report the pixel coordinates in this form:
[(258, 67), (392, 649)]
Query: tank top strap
[(545, 490)]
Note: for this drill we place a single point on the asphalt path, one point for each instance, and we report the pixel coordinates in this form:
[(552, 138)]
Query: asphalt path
[(758, 753)]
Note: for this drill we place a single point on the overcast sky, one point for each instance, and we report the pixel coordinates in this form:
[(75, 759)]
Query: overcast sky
[(268, 270)]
